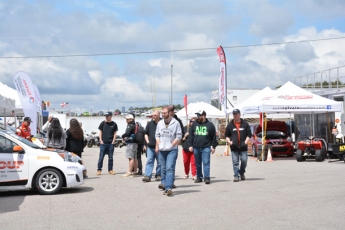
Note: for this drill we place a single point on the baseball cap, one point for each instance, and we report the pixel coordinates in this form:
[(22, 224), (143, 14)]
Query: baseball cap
[(201, 112), (28, 119), (108, 114), (129, 116), (236, 111)]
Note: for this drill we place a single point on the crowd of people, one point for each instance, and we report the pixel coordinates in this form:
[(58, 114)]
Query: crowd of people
[(162, 136)]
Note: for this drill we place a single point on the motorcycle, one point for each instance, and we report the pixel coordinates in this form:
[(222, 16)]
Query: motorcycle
[(92, 140), (118, 141)]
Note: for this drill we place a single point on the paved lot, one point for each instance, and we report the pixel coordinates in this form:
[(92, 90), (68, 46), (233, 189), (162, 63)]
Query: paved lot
[(283, 194)]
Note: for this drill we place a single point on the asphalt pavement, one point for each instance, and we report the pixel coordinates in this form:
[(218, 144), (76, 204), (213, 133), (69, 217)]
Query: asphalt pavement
[(283, 194)]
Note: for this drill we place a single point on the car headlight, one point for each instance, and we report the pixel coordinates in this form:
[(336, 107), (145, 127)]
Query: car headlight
[(70, 157), (289, 139)]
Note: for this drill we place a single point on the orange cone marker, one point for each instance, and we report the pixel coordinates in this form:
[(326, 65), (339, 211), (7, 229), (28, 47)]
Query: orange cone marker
[(269, 156)]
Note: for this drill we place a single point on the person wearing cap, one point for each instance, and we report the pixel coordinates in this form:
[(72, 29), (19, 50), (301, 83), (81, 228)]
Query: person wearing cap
[(203, 139), (131, 146), (168, 135), (237, 134), (107, 137), (24, 130)]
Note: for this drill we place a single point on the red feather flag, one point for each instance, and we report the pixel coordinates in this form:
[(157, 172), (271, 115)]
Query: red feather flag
[(185, 103)]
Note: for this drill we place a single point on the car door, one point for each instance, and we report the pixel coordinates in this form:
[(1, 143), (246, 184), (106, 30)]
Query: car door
[(14, 168)]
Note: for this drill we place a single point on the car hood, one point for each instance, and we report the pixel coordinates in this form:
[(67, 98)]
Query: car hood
[(279, 126)]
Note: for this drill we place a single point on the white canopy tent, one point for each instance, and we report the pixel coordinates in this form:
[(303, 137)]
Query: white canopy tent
[(251, 107), (292, 99), (192, 108), (11, 94)]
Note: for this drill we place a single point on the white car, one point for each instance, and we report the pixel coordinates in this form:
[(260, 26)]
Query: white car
[(24, 165)]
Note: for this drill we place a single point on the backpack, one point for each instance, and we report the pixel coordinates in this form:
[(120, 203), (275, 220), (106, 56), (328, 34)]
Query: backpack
[(140, 133)]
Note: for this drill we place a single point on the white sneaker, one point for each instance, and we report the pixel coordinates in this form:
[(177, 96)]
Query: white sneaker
[(127, 174)]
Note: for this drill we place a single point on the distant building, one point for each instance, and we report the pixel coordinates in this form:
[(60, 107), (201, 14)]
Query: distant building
[(234, 97)]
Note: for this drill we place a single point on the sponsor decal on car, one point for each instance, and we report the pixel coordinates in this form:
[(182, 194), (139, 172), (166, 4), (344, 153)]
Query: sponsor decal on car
[(21, 156), (70, 174), (72, 167), (43, 158), (11, 164)]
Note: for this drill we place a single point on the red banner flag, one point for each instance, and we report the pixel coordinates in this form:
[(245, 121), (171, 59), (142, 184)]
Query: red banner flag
[(185, 103)]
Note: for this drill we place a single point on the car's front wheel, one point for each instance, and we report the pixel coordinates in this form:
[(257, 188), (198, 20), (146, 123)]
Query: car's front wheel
[(49, 181)]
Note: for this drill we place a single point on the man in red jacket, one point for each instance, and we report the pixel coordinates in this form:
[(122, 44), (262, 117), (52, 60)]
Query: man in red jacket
[(25, 130)]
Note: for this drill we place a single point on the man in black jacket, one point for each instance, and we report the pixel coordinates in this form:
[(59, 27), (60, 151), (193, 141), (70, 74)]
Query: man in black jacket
[(238, 134), (131, 146), (150, 138), (202, 136)]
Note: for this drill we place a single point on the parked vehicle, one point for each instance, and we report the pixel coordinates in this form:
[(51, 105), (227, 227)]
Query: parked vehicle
[(24, 166), (100, 113), (86, 114), (92, 139), (79, 114), (276, 137), (93, 114), (311, 148)]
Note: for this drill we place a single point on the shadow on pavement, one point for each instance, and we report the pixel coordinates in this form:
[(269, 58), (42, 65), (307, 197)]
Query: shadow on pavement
[(186, 186), (255, 179), (218, 181), (11, 203), (94, 177), (184, 191), (81, 189)]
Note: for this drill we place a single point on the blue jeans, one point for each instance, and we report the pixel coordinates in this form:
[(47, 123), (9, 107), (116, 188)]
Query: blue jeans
[(202, 155), (151, 157), (106, 149), (167, 160), (236, 157)]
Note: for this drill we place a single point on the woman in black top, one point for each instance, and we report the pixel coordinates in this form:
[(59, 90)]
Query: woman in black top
[(75, 138)]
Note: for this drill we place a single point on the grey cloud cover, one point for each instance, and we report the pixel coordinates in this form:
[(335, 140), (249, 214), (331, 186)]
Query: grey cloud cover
[(84, 27)]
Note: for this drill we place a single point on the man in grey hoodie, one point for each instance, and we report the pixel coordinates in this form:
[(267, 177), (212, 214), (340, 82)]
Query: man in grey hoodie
[(168, 135)]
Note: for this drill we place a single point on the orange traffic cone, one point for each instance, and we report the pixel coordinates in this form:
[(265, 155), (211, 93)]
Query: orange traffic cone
[(269, 156)]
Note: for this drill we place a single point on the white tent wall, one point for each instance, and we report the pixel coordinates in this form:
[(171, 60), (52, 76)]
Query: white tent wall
[(8, 92)]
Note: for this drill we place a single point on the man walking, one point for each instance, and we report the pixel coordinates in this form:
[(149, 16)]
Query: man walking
[(152, 155), (168, 135), (107, 136), (204, 141), (238, 134)]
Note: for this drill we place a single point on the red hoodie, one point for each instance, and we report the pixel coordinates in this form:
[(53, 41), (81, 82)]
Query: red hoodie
[(25, 131)]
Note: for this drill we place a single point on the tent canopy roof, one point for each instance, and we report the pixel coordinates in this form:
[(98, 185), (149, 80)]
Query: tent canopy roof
[(192, 108)]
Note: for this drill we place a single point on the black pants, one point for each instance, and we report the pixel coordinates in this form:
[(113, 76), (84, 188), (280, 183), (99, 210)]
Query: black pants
[(139, 152)]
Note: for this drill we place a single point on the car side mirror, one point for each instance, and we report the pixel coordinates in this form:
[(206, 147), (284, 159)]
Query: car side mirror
[(18, 149)]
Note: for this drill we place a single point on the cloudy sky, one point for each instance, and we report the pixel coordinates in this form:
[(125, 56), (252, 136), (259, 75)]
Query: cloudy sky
[(135, 32)]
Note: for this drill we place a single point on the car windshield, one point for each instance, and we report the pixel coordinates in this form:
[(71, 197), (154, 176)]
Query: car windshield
[(32, 145), (273, 135)]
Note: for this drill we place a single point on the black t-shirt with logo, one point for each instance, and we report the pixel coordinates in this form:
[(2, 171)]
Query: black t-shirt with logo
[(108, 130)]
